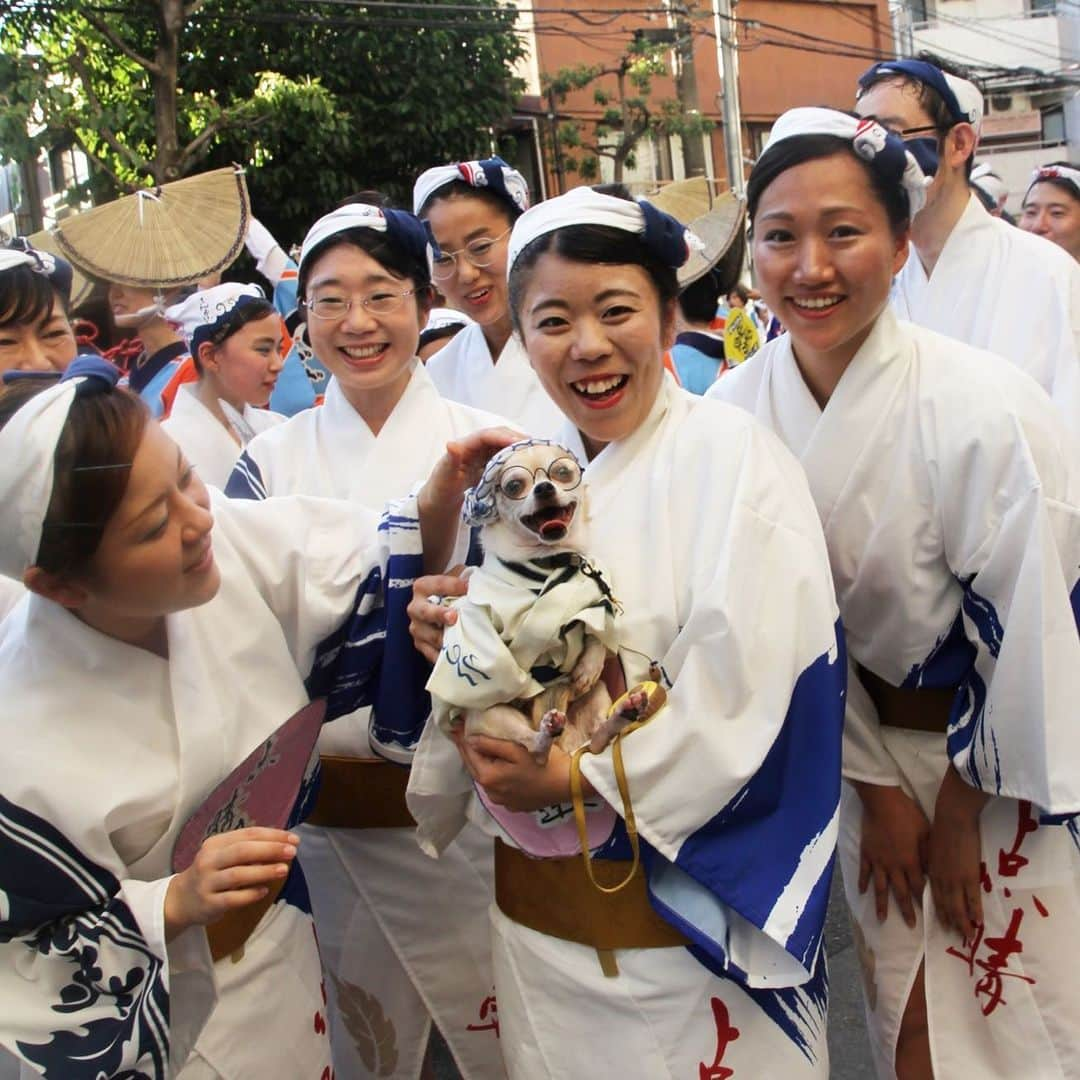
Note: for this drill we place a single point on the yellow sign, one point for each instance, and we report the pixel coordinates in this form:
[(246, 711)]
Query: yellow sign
[(740, 337)]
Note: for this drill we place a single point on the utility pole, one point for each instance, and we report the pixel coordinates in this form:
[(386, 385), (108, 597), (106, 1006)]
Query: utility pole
[(693, 147), (903, 32), (556, 146), (728, 62)]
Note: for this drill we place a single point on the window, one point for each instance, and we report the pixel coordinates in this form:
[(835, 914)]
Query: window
[(1042, 7), (1053, 125), (662, 164)]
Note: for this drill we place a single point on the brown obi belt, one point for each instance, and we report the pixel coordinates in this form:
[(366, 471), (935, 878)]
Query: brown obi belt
[(361, 793), (228, 936), (916, 710), (553, 896)]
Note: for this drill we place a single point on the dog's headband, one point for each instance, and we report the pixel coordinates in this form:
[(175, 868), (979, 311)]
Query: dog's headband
[(480, 508)]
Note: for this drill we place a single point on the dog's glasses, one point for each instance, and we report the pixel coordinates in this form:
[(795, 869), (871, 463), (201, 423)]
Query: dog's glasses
[(516, 481)]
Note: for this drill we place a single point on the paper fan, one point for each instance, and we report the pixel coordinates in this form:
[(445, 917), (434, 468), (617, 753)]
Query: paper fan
[(163, 236), (81, 285)]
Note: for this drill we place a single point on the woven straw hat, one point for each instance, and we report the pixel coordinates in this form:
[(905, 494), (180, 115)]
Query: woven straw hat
[(164, 236), (81, 285), (719, 220)]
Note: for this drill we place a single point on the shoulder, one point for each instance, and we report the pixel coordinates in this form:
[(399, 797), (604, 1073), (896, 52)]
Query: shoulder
[(980, 412), (741, 385)]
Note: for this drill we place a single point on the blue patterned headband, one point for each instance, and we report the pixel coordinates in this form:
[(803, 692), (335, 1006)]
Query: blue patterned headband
[(479, 508)]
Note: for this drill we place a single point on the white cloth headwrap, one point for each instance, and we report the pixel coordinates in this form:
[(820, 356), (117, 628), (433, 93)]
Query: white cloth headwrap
[(403, 227), (207, 306), (1053, 172), (492, 174), (10, 258), (583, 206), (27, 448), (984, 178), (868, 138)]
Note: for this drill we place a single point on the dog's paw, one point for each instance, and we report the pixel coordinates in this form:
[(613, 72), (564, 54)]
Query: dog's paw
[(553, 723), (586, 672), (630, 707)]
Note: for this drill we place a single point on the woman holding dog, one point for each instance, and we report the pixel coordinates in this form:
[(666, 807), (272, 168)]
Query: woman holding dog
[(471, 208), (365, 292), (709, 962), (951, 502)]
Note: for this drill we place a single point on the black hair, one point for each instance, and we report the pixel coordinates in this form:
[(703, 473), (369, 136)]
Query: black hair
[(376, 244), (368, 197), (601, 244), (1062, 183), (988, 200), (438, 333), (237, 319), (800, 149), (461, 188), (91, 469), (931, 101), (27, 297), (698, 301)]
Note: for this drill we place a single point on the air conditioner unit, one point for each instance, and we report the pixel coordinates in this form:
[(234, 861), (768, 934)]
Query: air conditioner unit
[(1001, 102)]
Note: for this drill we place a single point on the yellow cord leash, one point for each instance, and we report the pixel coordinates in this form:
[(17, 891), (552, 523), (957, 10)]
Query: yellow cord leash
[(656, 699)]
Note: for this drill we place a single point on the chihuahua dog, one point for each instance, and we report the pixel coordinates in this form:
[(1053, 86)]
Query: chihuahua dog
[(524, 660)]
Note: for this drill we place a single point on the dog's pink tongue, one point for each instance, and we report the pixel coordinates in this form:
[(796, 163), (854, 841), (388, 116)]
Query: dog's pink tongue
[(553, 530)]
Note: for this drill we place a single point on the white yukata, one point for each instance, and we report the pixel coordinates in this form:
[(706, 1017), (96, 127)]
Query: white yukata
[(464, 371), (705, 524), (109, 750), (392, 952), (952, 515), (1010, 292), (206, 443)]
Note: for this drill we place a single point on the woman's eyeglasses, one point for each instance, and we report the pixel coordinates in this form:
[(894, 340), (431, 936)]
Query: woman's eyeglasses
[(479, 252), (378, 303)]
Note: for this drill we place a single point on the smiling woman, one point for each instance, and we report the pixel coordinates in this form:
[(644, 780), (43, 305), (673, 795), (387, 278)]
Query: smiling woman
[(692, 509), (35, 334), (169, 633), (951, 498)]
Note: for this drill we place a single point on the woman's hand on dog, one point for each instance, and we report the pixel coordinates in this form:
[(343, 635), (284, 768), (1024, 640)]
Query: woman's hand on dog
[(439, 500), (511, 776), (427, 620)]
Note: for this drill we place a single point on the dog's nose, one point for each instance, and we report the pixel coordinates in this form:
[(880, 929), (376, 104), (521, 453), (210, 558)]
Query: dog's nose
[(544, 490)]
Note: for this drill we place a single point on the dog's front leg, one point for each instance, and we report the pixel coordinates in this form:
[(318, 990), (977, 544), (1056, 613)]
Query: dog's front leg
[(588, 668)]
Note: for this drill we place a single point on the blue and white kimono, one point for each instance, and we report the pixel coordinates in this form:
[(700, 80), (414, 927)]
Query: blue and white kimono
[(109, 750), (950, 496), (706, 527)]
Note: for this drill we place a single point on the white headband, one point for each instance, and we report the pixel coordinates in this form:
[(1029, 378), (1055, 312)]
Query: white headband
[(1054, 172), (12, 257), (585, 206), (871, 141), (491, 174), (402, 228), (207, 307), (27, 448)]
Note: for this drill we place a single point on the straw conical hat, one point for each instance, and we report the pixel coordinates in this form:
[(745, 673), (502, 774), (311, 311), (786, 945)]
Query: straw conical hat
[(718, 220), (81, 286), (164, 236)]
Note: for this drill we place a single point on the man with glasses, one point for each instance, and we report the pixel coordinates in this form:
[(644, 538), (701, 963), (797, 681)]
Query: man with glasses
[(970, 275)]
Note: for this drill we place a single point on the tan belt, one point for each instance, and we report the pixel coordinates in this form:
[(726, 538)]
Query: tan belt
[(555, 897), (361, 793), (228, 936), (917, 710)]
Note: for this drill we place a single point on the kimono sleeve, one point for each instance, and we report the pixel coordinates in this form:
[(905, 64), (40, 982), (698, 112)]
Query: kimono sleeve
[(89, 986), (736, 784), (1012, 537), (338, 579)]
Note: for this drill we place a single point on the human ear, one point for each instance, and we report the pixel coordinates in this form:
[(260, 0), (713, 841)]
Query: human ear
[(900, 250), (208, 360), (960, 143), (55, 587)]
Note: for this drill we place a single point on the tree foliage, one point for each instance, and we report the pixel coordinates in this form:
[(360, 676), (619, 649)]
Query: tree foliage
[(316, 100), (627, 113)]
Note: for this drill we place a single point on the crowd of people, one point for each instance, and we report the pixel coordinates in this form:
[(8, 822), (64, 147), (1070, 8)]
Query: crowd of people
[(839, 512)]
